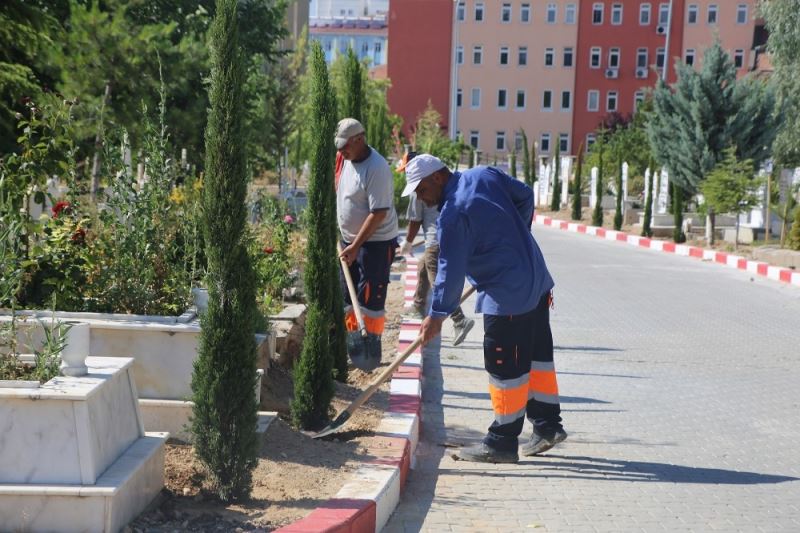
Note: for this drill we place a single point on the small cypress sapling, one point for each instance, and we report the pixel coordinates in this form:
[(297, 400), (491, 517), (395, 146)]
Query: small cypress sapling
[(526, 159), (576, 196), (225, 409), (794, 234), (555, 203), (512, 164), (648, 201), (597, 214), (534, 164), (677, 211), (618, 210), (471, 161)]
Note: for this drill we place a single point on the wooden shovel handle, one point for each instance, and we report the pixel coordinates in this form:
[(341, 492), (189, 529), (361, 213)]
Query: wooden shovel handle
[(352, 290)]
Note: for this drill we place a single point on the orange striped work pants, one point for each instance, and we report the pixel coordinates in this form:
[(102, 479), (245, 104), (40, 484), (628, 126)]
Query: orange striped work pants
[(518, 355), (370, 272)]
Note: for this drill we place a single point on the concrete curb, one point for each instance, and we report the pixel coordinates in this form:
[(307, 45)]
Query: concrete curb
[(784, 275), (369, 498)]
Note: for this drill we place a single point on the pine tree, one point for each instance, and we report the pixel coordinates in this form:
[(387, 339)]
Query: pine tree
[(512, 164), (354, 93), (597, 214), (648, 201), (526, 159), (618, 209), (313, 376), (576, 191), (224, 378), (555, 202)]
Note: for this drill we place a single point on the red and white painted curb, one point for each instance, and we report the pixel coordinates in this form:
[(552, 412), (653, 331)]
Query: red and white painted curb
[(369, 498), (785, 275)]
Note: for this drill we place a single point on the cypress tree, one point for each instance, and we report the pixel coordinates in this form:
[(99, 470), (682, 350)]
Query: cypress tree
[(526, 159), (794, 234), (354, 95), (555, 203), (648, 201), (224, 378), (471, 161), (534, 163), (576, 196), (513, 165), (677, 212), (618, 211), (597, 214), (313, 376)]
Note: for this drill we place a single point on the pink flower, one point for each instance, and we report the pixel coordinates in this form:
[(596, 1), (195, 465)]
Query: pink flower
[(269, 250), (288, 219)]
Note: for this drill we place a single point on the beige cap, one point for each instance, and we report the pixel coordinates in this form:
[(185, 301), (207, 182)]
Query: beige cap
[(347, 128)]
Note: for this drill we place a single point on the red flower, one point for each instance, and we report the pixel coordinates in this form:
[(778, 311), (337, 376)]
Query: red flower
[(269, 250), (79, 236), (59, 207)]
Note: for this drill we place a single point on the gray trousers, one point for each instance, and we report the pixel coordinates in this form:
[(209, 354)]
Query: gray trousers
[(426, 275)]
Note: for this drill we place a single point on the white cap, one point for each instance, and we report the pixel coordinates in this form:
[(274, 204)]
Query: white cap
[(420, 168), (347, 128)]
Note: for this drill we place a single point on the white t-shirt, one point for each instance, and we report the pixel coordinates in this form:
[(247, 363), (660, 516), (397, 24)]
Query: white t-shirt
[(365, 187), (419, 212)]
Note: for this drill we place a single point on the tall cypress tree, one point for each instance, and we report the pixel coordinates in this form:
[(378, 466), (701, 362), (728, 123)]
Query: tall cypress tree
[(618, 209), (555, 203), (576, 195), (526, 159), (534, 164), (354, 95), (597, 214), (648, 201), (224, 378), (313, 376), (512, 164)]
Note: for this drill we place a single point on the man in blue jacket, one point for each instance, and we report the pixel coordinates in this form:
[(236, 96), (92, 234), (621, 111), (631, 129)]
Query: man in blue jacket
[(484, 235)]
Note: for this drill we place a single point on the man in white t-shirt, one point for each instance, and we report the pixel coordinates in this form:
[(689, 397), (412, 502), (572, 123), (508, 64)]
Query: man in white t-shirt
[(368, 226)]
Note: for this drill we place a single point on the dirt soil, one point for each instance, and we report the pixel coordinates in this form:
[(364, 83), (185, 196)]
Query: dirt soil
[(295, 473)]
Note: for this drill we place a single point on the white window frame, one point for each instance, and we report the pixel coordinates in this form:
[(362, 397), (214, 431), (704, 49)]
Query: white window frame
[(504, 50), (549, 53), (598, 7), (591, 138), (479, 13), (518, 145), (741, 9), (614, 57), (661, 57), (551, 15), (663, 14), (638, 98), (568, 52), (475, 94), (461, 11), (520, 92), (545, 93), (544, 143), (568, 95), (596, 51), (692, 14), (475, 138), (504, 92), (642, 57), (688, 55), (713, 9), (459, 97), (563, 143), (525, 13), (500, 138), (505, 13), (612, 95), (739, 52), (645, 14), (459, 55), (593, 94), (616, 11), (570, 13), (477, 51), (522, 51)]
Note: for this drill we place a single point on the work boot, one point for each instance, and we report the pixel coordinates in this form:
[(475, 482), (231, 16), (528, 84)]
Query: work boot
[(541, 443), (483, 453), (461, 330)]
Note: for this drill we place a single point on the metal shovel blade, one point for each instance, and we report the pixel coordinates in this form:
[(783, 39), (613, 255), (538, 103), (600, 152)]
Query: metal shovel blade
[(334, 426), (365, 352)]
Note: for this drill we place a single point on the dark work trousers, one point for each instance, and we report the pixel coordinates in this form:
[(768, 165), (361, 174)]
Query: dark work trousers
[(370, 273), (426, 277), (518, 355)]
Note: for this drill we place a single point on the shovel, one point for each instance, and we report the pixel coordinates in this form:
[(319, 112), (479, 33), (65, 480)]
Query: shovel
[(345, 415), (363, 347)]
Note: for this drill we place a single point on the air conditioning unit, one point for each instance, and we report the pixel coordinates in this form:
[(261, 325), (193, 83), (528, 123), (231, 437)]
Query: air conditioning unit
[(661, 29), (641, 73), (612, 73)]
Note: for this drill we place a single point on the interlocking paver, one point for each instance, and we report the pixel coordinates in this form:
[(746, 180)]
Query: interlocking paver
[(679, 391)]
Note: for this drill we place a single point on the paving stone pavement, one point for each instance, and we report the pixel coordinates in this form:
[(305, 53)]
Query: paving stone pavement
[(680, 390)]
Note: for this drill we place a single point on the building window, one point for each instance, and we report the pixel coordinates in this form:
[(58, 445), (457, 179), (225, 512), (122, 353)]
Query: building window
[(548, 57), (544, 143), (691, 14), (547, 100), (518, 146), (550, 17), (364, 49), (613, 58), (477, 55), (459, 55), (378, 47), (597, 13), (616, 14), (738, 58), (502, 98), (504, 55), (712, 14), (563, 143), (741, 14), (594, 57), (475, 98), (611, 101), (569, 13), (663, 14), (505, 13), (459, 97), (638, 98), (659, 57), (689, 56), (479, 12), (566, 100), (460, 12), (641, 58), (474, 138), (644, 14), (525, 13), (591, 138), (500, 141), (520, 99), (593, 100), (522, 56), (568, 56)]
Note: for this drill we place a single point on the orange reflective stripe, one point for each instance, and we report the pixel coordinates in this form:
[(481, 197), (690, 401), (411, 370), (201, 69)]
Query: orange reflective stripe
[(508, 401), (544, 381), (375, 324), (366, 293), (350, 322)]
